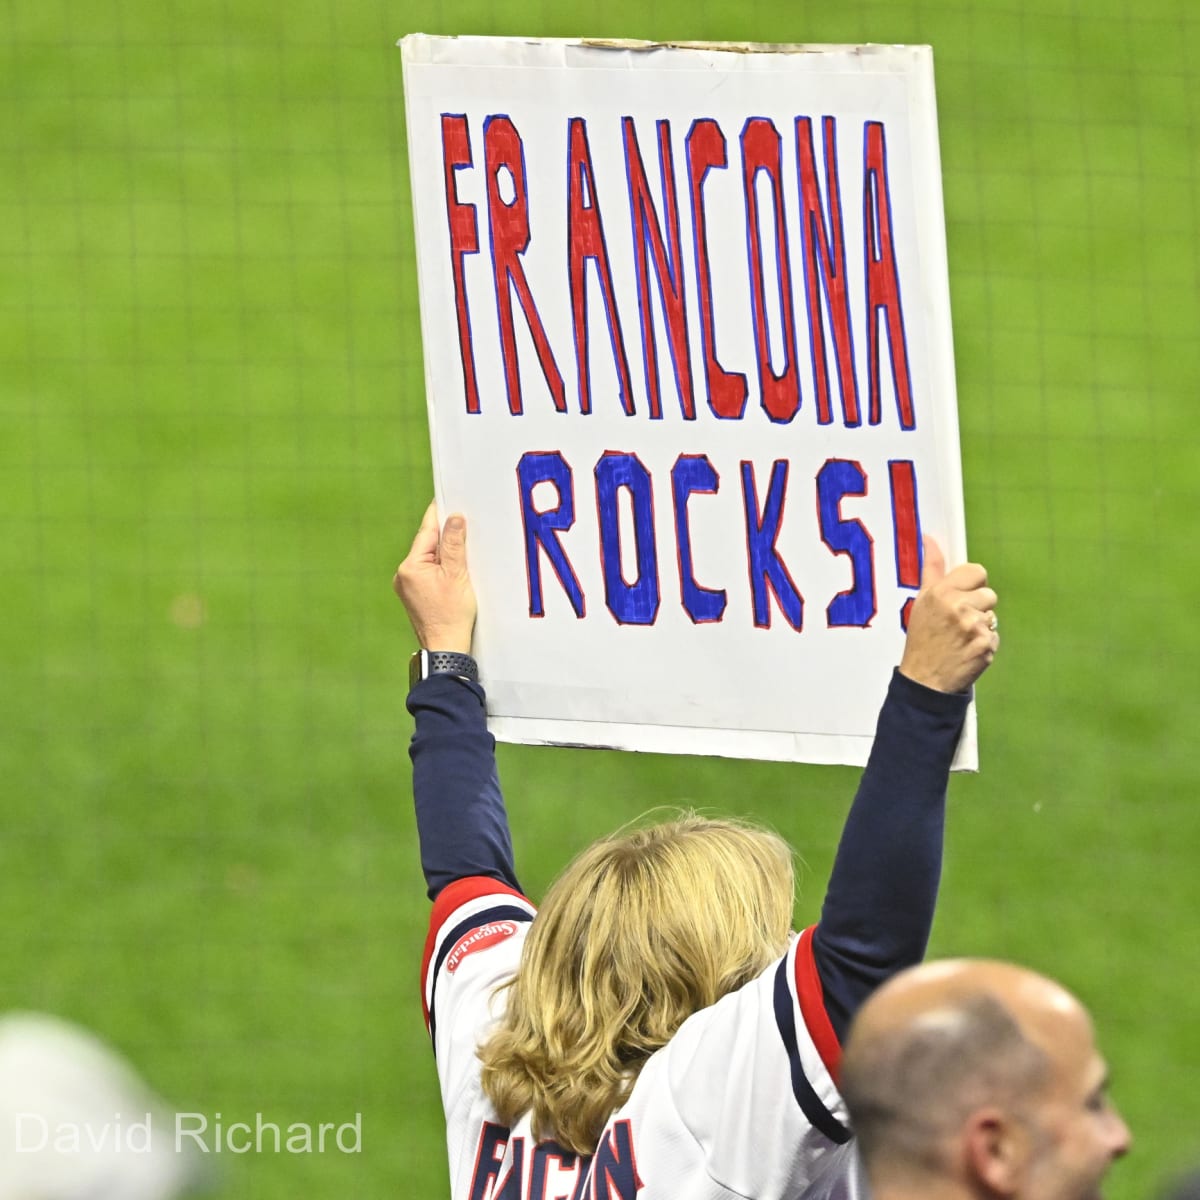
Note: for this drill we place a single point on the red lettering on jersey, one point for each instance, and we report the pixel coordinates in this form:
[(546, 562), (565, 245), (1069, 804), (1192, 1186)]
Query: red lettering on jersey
[(487, 935)]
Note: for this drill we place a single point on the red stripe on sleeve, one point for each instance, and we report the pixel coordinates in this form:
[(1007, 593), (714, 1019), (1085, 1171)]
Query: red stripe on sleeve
[(455, 895), (812, 1005)]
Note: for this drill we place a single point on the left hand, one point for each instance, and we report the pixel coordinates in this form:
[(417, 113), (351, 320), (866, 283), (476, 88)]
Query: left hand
[(435, 586), (951, 636)]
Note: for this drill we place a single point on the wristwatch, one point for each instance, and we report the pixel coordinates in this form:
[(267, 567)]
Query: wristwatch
[(441, 662)]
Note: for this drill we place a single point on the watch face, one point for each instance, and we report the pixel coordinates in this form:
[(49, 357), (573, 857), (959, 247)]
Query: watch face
[(417, 668), (426, 663)]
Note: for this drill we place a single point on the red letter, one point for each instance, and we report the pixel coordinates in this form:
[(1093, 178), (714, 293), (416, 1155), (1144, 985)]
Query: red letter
[(705, 150), (883, 281), (825, 252), (464, 239), (509, 227), (906, 521), (585, 239), (647, 231), (761, 152)]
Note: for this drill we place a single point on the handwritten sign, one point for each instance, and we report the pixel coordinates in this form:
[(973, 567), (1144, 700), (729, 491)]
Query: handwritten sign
[(690, 376)]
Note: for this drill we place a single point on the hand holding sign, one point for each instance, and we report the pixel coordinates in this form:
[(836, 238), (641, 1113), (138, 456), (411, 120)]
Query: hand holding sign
[(952, 636), (434, 584)]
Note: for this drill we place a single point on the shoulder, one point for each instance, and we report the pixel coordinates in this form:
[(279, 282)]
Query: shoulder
[(476, 931), (776, 1125)]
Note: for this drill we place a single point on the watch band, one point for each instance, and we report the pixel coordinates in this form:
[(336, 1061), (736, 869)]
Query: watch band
[(441, 662)]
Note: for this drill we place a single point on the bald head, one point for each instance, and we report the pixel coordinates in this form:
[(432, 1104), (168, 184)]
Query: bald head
[(950, 1046), (934, 999)]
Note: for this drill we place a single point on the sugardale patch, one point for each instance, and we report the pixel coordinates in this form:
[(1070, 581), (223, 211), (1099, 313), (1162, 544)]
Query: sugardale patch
[(479, 939)]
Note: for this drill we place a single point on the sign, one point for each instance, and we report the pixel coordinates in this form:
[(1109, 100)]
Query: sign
[(690, 376)]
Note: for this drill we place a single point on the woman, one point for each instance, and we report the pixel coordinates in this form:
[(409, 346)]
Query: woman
[(657, 1031)]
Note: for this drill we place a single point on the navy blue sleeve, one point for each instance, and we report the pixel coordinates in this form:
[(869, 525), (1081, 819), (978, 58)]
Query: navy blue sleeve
[(878, 911), (461, 821)]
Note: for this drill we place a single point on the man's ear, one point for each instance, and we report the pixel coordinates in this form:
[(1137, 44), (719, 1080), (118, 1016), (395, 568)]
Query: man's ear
[(996, 1150)]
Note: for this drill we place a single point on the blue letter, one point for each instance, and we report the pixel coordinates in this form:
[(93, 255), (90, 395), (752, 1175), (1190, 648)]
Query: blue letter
[(493, 1141), (614, 1168), (838, 478), (568, 1162), (512, 1186), (766, 567), (693, 473), (631, 603), (541, 528)]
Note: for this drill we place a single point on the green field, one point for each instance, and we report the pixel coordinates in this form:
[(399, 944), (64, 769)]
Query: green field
[(213, 453)]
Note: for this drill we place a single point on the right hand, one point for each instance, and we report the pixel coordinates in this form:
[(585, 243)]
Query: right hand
[(950, 641), (435, 586)]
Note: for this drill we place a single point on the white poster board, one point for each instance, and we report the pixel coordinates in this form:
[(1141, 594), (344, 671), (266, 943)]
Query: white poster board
[(689, 373)]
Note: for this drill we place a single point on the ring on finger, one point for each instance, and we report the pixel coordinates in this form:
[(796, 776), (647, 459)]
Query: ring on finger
[(993, 622)]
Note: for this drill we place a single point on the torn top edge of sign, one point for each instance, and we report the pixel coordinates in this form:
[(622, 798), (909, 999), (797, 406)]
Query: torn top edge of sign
[(412, 41)]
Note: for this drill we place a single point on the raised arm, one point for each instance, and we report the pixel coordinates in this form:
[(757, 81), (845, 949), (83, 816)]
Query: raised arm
[(775, 1043), (879, 907), (461, 820)]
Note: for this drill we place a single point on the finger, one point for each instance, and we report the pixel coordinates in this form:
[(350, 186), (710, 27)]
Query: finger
[(454, 545), (968, 577), (982, 598), (934, 566), (425, 544)]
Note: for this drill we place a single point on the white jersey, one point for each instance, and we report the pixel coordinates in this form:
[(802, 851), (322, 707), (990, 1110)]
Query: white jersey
[(741, 1103)]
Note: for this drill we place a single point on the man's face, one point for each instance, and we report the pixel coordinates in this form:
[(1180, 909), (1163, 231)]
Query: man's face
[(1078, 1134)]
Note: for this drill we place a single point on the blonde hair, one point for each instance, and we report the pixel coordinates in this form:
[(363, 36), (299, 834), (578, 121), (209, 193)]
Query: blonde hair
[(644, 928)]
